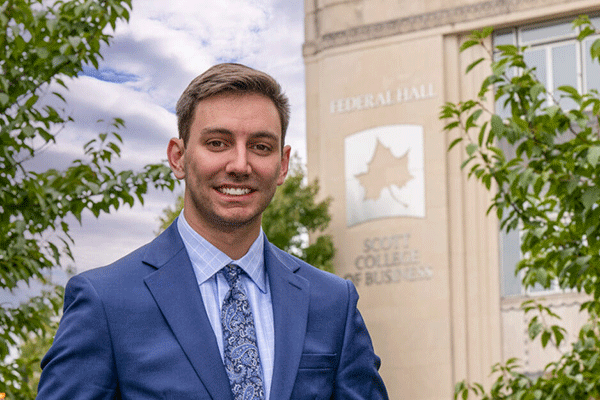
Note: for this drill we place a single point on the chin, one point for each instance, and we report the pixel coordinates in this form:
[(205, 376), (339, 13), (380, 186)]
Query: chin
[(233, 222)]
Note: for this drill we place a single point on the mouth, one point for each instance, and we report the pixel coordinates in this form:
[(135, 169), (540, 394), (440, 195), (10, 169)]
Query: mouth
[(234, 191)]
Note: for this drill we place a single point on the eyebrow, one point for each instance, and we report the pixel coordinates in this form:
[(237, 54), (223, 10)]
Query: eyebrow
[(265, 134), (223, 131)]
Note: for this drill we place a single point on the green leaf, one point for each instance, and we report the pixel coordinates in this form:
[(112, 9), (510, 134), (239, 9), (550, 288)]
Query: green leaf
[(58, 61), (60, 96), (455, 142), (31, 101), (472, 119), (487, 31), (42, 52), (75, 41), (595, 49), (94, 61), (536, 90), (468, 43), (558, 334), (452, 125), (552, 110), (497, 125), (581, 20), (508, 49), (590, 197), (28, 131), (545, 338), (114, 148), (534, 329), (472, 148), (593, 155), (474, 64), (483, 133), (570, 90), (585, 32), (591, 362)]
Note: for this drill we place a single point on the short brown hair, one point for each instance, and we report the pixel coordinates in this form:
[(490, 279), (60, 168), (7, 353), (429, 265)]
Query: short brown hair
[(229, 78)]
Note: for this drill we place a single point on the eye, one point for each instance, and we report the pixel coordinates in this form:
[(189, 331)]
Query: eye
[(262, 147), (215, 144)]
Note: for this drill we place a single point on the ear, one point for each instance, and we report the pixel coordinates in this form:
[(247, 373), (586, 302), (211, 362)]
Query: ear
[(285, 164), (176, 155)]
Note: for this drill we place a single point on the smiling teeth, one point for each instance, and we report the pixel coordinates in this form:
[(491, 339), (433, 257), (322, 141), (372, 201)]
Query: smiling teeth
[(234, 191)]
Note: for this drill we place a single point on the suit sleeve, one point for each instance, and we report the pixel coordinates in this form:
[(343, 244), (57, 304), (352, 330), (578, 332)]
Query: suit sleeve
[(358, 372), (80, 363)]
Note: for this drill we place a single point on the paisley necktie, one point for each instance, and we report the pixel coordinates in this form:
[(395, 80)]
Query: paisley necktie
[(241, 357)]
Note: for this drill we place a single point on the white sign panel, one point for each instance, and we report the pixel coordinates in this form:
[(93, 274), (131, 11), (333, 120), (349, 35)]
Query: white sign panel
[(385, 173)]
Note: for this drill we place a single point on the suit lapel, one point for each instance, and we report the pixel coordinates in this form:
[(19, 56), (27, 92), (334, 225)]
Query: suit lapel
[(175, 290), (290, 298)]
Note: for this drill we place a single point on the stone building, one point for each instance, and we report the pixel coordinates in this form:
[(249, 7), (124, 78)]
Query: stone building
[(435, 274)]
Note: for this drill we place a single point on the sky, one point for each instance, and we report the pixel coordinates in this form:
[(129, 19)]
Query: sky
[(148, 64)]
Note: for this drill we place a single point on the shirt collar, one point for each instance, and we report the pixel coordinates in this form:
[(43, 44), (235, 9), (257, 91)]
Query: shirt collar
[(207, 260)]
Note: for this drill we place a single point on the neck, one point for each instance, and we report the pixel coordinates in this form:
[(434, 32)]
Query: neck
[(234, 241)]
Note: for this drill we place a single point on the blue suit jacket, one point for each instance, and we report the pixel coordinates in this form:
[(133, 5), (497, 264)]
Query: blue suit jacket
[(137, 329)]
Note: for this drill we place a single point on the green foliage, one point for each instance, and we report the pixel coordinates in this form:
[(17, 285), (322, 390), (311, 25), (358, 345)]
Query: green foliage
[(550, 191), (169, 214), (22, 373), (41, 43), (292, 215)]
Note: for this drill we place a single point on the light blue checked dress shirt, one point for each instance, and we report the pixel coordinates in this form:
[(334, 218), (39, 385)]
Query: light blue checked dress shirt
[(207, 260)]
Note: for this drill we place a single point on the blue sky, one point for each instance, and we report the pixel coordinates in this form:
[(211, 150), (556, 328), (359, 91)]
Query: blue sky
[(148, 64)]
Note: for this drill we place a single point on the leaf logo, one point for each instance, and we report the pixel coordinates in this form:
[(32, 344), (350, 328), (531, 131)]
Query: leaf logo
[(385, 171)]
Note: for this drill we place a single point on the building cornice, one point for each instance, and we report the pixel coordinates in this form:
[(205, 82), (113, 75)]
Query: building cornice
[(466, 13)]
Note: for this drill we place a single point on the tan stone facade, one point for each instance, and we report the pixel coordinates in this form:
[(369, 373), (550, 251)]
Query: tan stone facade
[(414, 236)]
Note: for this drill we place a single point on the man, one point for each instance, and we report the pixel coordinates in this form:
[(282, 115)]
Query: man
[(210, 309)]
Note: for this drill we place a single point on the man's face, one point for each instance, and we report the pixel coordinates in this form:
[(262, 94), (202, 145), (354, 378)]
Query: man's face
[(232, 163)]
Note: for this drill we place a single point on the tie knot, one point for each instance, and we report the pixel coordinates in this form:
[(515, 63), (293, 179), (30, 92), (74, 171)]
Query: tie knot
[(232, 272)]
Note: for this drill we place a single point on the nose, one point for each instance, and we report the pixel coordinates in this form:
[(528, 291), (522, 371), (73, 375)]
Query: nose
[(239, 163)]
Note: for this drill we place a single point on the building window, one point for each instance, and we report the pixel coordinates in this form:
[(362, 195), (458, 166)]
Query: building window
[(560, 59)]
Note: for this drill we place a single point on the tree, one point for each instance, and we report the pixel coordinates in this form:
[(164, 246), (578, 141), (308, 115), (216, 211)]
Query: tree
[(548, 189), (32, 349), (41, 44), (291, 217)]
